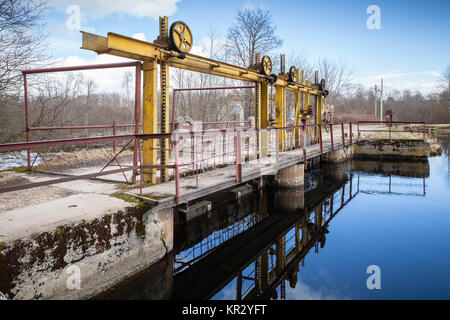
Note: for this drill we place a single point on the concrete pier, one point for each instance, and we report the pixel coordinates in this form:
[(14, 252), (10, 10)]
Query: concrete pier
[(290, 177), (393, 150)]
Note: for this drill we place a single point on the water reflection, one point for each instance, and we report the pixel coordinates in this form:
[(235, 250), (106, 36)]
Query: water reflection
[(316, 242), (265, 256)]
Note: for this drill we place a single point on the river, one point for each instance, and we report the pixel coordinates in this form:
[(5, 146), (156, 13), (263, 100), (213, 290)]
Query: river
[(358, 230)]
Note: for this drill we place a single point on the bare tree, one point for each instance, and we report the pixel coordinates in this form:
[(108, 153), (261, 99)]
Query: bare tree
[(21, 40), (253, 32), (336, 74)]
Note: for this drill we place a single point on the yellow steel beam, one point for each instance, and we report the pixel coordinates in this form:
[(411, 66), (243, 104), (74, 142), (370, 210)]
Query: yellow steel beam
[(297, 111), (127, 47), (150, 116)]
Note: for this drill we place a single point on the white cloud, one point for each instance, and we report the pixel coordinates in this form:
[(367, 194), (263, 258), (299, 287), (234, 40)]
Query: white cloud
[(139, 36), (302, 291), (424, 81), (106, 80), (137, 8)]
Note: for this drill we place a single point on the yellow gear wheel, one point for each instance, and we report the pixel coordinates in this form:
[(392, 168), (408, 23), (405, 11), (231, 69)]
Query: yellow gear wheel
[(293, 74), (181, 37), (266, 65)]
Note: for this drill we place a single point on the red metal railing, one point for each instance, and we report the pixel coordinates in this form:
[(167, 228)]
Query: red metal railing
[(390, 124), (137, 104), (174, 91), (198, 158)]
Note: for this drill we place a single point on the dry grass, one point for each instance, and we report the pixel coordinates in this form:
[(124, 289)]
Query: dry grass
[(63, 158), (347, 117)]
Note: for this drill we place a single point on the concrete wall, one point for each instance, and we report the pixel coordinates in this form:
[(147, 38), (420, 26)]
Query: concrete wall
[(105, 250), (339, 155), (381, 149), (385, 149)]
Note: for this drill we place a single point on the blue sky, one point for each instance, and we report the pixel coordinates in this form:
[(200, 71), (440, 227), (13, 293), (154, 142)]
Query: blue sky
[(411, 49)]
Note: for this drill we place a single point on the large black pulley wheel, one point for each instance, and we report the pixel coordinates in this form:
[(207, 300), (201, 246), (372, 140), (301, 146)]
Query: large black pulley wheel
[(272, 78), (322, 85), (293, 74), (266, 65), (180, 36)]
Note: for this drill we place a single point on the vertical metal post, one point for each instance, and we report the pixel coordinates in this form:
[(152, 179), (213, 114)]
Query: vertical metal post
[(381, 101), (238, 156), (351, 133), (359, 134), (389, 131), (320, 138), (376, 100), (239, 285), (277, 150), (331, 136), (177, 170), (424, 130), (164, 101), (280, 104), (297, 112), (137, 119), (342, 131), (27, 128), (150, 120), (303, 147), (114, 133), (174, 91)]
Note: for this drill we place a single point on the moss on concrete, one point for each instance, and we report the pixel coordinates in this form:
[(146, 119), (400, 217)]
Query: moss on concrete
[(158, 196), (128, 198)]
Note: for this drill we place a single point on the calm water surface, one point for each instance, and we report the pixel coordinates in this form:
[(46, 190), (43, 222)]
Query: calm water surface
[(317, 243), (406, 233)]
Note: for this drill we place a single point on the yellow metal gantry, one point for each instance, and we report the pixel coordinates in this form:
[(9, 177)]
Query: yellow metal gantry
[(171, 49)]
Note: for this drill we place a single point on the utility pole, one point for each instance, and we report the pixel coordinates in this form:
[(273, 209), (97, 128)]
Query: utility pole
[(376, 89), (381, 101)]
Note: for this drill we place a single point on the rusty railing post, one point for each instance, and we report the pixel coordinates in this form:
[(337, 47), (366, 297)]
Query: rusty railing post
[(177, 170), (424, 130), (359, 134), (137, 120), (114, 133), (331, 135), (320, 139), (237, 138), (303, 145), (343, 136), (27, 127), (351, 133), (277, 149)]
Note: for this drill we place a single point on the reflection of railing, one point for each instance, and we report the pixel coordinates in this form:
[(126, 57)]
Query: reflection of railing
[(390, 190), (280, 262), (207, 245)]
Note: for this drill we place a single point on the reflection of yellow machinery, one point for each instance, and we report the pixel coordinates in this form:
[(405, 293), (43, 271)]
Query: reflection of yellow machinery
[(171, 49)]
